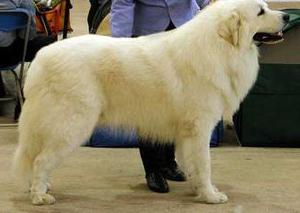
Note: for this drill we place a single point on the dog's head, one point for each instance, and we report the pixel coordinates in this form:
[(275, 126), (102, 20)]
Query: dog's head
[(249, 21)]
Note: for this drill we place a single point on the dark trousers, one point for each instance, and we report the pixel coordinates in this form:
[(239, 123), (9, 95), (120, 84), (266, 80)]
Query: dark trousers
[(95, 4), (12, 54), (154, 155)]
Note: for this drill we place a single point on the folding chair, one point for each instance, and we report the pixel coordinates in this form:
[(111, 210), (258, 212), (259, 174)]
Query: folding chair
[(11, 20)]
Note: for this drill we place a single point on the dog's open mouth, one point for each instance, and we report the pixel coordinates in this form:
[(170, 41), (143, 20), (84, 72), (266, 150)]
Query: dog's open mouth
[(268, 38)]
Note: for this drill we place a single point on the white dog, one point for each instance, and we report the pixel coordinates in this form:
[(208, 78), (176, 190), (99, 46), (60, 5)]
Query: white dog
[(174, 86)]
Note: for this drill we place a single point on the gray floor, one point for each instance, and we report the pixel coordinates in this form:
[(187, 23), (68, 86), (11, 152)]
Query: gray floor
[(111, 180)]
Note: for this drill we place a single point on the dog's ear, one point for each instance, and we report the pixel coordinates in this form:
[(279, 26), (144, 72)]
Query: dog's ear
[(229, 29)]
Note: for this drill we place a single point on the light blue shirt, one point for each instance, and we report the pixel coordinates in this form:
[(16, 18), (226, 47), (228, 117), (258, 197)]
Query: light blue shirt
[(7, 38), (143, 17)]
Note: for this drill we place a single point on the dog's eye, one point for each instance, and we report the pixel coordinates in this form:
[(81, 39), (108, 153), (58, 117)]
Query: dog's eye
[(261, 12)]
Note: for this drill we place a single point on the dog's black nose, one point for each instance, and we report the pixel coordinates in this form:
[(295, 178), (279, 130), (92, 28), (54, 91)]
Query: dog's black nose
[(286, 17)]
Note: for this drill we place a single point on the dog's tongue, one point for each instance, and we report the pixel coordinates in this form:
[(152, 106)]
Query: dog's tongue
[(268, 38)]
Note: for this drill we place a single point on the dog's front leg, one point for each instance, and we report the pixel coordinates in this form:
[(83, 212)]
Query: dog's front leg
[(195, 156)]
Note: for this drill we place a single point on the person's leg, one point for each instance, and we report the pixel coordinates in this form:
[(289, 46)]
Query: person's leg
[(6, 59), (11, 55), (149, 155), (169, 166), (93, 9), (152, 158), (36, 44)]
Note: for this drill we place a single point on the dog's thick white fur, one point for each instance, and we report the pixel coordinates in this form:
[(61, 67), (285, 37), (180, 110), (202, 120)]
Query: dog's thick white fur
[(174, 86)]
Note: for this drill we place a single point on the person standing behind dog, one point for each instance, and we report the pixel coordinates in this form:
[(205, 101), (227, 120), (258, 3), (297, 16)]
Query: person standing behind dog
[(132, 18)]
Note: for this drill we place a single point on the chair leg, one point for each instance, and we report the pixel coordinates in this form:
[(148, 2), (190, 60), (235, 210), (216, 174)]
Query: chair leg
[(2, 90), (19, 93)]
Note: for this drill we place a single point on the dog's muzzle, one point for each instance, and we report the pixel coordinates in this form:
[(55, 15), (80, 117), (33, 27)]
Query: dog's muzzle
[(271, 38)]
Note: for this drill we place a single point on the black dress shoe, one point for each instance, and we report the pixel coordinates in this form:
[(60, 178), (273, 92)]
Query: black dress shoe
[(157, 183), (172, 172)]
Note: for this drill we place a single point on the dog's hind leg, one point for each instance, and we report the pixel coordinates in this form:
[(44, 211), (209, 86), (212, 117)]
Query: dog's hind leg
[(68, 127), (43, 164), (53, 153), (195, 155)]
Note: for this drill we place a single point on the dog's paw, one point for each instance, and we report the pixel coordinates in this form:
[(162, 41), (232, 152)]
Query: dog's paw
[(42, 199), (214, 197)]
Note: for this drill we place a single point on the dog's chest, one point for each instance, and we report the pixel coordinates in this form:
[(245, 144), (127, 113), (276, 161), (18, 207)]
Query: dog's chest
[(245, 73)]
